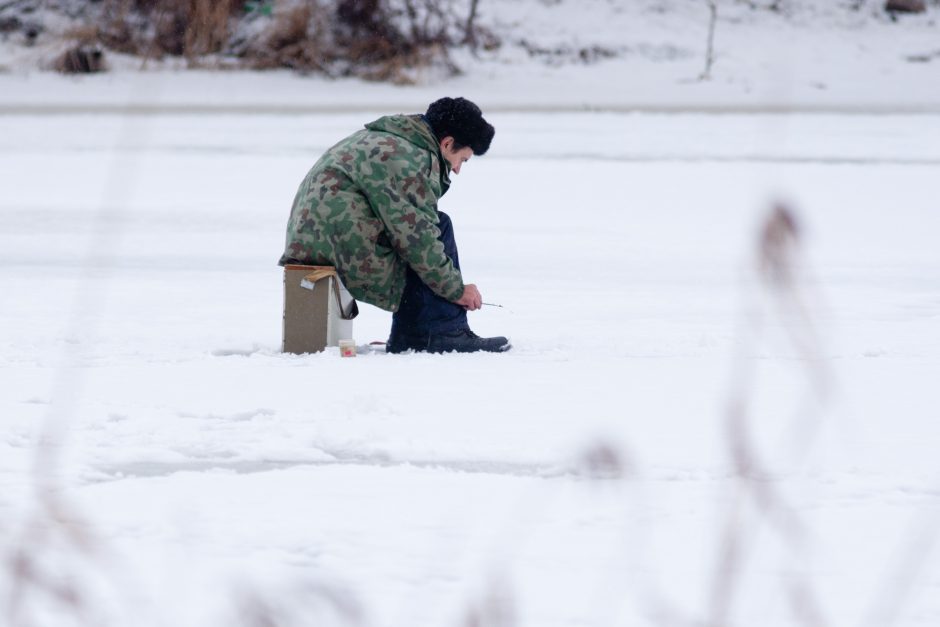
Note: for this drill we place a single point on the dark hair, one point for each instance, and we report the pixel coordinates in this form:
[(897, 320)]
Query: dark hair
[(461, 119)]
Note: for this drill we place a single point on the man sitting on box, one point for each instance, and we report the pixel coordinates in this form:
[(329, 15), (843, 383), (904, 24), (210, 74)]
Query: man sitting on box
[(368, 207)]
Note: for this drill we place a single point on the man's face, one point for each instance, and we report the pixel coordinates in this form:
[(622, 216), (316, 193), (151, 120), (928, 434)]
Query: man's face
[(455, 158)]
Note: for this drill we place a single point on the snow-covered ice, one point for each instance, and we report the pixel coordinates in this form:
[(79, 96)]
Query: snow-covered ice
[(141, 308)]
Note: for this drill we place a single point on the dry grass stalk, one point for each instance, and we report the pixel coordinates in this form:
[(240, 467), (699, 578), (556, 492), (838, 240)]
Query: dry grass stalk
[(207, 26), (295, 42), (778, 265), (706, 74)]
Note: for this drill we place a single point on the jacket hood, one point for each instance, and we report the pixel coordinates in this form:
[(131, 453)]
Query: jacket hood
[(413, 129)]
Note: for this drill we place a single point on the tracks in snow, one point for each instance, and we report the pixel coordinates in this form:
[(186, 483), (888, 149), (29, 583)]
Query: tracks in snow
[(144, 469)]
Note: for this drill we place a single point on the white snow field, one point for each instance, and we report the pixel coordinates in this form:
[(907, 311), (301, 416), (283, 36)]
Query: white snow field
[(584, 478)]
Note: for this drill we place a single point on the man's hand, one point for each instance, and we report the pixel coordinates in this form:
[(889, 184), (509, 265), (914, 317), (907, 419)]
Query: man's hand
[(471, 299)]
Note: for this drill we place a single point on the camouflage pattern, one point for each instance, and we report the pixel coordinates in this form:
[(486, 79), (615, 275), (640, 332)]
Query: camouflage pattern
[(369, 208)]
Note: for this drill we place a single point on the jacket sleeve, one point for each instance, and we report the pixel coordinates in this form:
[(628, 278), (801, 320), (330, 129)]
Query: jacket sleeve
[(400, 194)]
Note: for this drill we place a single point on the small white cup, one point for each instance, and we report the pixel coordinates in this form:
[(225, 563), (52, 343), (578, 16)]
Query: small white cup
[(347, 348)]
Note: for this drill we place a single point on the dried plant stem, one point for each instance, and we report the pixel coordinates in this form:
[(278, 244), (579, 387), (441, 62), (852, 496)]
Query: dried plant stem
[(778, 270), (710, 43)]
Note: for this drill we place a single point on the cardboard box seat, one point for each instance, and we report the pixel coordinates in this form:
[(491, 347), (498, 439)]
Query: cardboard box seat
[(318, 310)]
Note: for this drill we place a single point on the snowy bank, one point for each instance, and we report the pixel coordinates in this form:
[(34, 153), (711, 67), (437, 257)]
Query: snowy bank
[(567, 56)]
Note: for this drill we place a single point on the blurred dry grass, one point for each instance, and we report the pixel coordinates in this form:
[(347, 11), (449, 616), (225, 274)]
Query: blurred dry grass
[(758, 499), (51, 566)]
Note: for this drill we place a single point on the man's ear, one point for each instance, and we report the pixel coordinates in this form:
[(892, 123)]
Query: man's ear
[(447, 144)]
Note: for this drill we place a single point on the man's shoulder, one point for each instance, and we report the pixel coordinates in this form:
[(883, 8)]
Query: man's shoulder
[(386, 153), (378, 145)]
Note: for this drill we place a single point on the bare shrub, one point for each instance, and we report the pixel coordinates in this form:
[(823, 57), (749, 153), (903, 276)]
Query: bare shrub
[(383, 42), (369, 39), (293, 42), (114, 29), (154, 29), (207, 25)]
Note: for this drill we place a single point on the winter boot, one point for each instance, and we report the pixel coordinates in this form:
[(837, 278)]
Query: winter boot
[(459, 341)]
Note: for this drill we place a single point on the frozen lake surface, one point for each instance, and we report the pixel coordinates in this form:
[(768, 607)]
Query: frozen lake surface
[(587, 476)]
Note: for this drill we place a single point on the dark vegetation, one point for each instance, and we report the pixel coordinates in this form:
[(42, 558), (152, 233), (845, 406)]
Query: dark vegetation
[(386, 40), (396, 41)]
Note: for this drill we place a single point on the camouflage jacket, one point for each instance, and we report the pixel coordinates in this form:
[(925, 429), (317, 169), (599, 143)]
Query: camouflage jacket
[(369, 208)]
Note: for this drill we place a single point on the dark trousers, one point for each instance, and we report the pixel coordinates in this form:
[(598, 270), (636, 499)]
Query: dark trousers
[(422, 312)]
